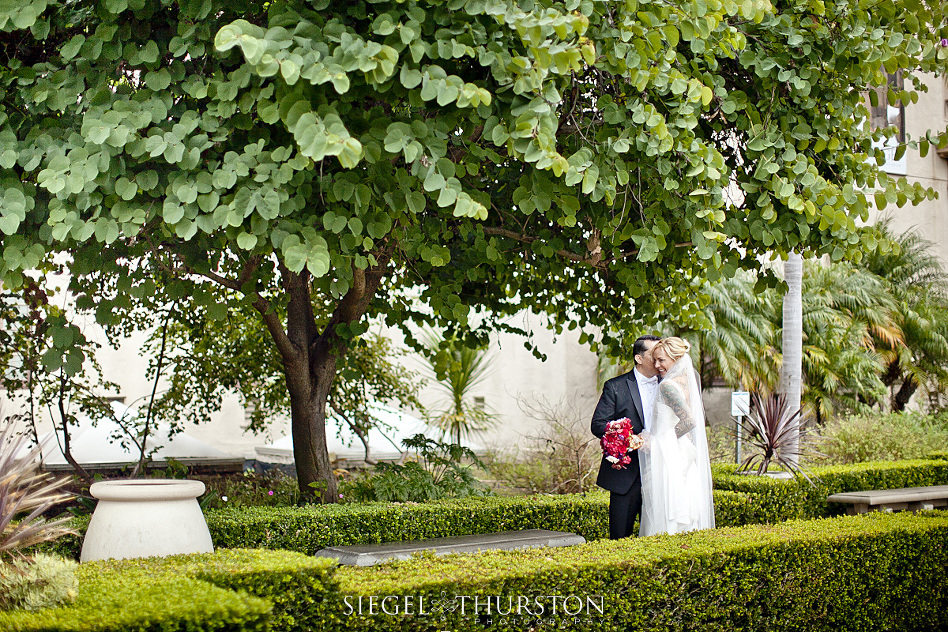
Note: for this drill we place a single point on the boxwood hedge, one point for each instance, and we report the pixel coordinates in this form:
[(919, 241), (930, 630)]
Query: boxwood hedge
[(235, 590), (865, 573), (739, 500), (870, 572), (775, 500)]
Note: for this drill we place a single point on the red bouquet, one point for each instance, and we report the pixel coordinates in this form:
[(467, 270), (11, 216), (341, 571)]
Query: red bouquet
[(617, 441)]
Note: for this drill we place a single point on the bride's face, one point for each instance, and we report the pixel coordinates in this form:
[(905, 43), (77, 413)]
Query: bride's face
[(662, 361)]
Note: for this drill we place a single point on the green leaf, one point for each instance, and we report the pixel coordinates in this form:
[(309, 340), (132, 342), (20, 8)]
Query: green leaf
[(434, 181), (410, 77), (71, 49), (246, 241)]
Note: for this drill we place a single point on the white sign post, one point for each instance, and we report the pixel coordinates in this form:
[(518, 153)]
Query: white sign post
[(740, 407)]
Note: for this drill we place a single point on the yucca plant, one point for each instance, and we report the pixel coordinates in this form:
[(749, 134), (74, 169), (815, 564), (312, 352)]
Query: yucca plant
[(770, 430), (25, 495)]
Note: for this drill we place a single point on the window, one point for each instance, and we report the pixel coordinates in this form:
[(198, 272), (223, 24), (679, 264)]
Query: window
[(883, 114)]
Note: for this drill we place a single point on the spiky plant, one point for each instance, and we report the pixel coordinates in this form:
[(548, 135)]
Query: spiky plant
[(458, 369), (25, 495), (770, 431)]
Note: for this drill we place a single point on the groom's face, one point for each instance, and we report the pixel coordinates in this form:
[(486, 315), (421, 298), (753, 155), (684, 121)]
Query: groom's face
[(644, 362)]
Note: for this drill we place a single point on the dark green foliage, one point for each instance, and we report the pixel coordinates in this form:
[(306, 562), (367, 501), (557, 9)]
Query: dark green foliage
[(438, 473), (309, 529), (865, 573), (861, 573), (250, 489), (777, 500)]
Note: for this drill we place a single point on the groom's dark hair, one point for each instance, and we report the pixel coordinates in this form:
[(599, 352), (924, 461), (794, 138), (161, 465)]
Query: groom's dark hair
[(639, 347)]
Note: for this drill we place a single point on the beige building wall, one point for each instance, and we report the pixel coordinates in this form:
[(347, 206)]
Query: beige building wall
[(931, 216)]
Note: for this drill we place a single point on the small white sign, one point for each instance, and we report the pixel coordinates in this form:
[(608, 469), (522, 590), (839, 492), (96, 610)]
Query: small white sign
[(740, 403)]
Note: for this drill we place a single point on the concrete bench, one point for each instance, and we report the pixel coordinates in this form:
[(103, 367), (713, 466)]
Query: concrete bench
[(371, 554), (905, 499)]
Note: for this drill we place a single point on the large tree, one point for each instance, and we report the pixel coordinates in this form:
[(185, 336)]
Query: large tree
[(420, 158)]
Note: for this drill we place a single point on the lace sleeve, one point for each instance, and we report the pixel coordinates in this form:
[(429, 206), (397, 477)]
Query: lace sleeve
[(675, 399)]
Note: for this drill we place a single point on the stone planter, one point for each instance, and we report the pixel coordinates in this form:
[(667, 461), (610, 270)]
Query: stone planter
[(144, 518)]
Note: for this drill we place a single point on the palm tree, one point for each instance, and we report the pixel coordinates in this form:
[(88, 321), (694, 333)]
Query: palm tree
[(738, 344), (791, 366), (919, 285), (458, 369), (843, 312)]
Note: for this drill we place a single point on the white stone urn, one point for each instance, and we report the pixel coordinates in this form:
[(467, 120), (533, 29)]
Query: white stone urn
[(144, 518)]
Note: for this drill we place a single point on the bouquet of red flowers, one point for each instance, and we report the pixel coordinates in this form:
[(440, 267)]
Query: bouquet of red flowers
[(617, 441)]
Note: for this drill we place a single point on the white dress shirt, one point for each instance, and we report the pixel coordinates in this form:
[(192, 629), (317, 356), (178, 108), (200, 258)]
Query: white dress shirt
[(648, 389)]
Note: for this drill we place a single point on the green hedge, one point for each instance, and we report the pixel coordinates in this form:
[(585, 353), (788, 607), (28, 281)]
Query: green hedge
[(236, 591), (941, 456), (308, 529), (860, 573), (871, 572), (739, 500), (776, 500)]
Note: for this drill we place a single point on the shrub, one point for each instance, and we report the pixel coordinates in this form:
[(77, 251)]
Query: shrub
[(250, 489), (308, 529), (773, 433), (41, 582), (437, 473), (871, 572), (889, 437), (738, 499), (859, 573), (135, 599), (776, 500), (25, 495), (236, 591), (561, 458)]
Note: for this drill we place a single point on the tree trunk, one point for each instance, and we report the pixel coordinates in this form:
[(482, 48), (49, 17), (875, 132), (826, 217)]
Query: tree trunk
[(309, 362), (791, 369), (904, 394)]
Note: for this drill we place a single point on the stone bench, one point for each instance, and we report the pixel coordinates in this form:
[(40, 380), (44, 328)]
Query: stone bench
[(371, 554), (905, 499)]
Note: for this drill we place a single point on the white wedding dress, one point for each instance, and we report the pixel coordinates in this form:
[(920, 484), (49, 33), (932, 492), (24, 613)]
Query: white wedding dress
[(676, 470)]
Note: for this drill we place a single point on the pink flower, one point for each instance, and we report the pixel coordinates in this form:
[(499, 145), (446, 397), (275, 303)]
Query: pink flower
[(616, 441), (270, 492)]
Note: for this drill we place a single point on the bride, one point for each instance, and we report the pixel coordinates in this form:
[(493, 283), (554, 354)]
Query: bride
[(676, 470)]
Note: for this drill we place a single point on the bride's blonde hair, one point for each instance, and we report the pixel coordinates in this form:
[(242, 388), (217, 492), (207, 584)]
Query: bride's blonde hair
[(674, 346)]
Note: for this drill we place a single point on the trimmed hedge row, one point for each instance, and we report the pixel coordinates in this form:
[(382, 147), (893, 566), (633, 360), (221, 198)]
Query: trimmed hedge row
[(776, 500), (860, 573), (308, 529), (739, 500), (870, 572), (233, 591)]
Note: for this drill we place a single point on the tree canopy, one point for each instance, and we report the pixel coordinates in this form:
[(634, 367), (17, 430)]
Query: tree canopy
[(416, 159)]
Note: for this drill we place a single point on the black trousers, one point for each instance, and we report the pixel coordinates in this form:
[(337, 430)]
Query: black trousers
[(623, 510)]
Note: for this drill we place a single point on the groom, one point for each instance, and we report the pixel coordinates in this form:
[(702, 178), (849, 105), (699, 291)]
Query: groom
[(631, 395)]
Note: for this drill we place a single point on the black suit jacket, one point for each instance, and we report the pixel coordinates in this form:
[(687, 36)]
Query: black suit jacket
[(620, 398)]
